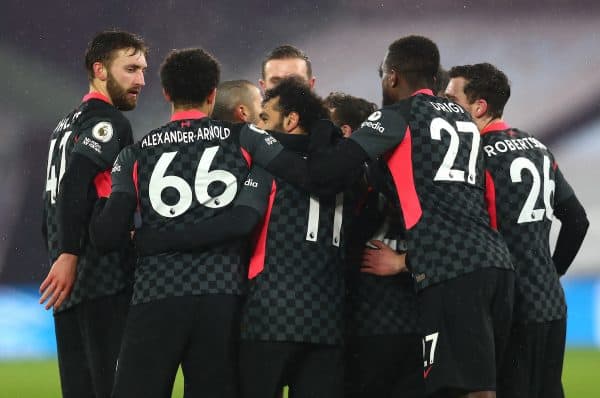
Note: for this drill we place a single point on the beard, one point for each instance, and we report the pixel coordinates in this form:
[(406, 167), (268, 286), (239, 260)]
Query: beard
[(119, 95)]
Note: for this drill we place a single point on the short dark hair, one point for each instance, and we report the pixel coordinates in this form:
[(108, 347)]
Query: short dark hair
[(230, 94), (103, 46), (295, 95), (347, 109), (287, 51), (189, 75), (417, 58), (484, 81)]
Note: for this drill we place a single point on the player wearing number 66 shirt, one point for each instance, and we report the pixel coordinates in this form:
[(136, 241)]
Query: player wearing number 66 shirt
[(524, 189), (461, 266), (185, 306)]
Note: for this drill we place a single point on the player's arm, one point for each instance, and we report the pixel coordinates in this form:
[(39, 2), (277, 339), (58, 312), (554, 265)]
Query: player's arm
[(111, 221), (574, 224), (326, 169), (248, 209)]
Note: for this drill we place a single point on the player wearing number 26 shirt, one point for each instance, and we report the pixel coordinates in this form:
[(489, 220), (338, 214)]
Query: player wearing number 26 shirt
[(524, 189), (461, 266), (185, 306)]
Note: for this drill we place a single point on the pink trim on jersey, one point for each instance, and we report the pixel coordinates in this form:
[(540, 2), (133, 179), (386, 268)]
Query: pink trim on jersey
[(490, 199), (103, 184), (425, 91), (495, 126), (257, 260), (96, 95), (134, 175), (189, 114), (247, 156), (400, 164)]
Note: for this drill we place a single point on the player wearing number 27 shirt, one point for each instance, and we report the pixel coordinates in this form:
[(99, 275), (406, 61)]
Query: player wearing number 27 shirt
[(185, 306), (461, 266)]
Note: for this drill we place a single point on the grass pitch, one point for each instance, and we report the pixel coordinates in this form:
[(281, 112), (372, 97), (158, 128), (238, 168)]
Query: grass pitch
[(39, 379)]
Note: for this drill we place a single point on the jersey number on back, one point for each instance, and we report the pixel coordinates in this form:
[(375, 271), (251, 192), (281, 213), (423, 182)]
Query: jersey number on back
[(446, 172), (53, 183), (204, 177), (529, 213)]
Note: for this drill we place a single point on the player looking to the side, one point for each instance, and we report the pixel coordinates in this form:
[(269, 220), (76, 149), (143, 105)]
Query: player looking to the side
[(283, 61), (90, 292), (432, 149), (185, 306), (237, 101), (525, 188)]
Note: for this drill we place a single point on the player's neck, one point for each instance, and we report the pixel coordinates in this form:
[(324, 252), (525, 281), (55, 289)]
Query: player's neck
[(204, 108), (98, 87), (483, 123)]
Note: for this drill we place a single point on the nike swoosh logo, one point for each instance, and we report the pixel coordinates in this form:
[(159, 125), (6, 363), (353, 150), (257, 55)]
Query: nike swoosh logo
[(426, 372)]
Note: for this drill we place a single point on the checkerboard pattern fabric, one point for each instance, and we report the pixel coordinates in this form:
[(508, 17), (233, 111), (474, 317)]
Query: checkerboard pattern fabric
[(520, 168), (382, 305), (298, 296), (97, 275), (451, 236), (220, 269)]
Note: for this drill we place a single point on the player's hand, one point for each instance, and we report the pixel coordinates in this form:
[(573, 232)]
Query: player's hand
[(382, 261), (60, 280)]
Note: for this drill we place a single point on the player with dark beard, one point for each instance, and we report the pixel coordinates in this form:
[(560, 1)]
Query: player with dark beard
[(524, 189), (90, 292), (462, 268)]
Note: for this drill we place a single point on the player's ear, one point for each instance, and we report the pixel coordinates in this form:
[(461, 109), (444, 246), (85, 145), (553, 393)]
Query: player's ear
[(241, 113), (262, 85), (100, 71), (394, 78), (481, 107), (346, 130), (291, 121), (311, 82), (210, 98), (166, 95)]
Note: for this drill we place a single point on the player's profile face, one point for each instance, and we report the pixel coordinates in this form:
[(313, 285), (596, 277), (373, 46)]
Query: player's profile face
[(277, 69), (455, 92), (270, 117), (125, 78)]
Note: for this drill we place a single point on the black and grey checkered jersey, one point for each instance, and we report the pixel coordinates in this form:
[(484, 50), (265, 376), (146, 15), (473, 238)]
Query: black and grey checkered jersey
[(523, 185), (97, 130), (184, 172), (436, 164), (381, 305), (296, 291)]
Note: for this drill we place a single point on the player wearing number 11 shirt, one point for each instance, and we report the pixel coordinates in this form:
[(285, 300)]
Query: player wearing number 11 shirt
[(461, 266), (185, 306)]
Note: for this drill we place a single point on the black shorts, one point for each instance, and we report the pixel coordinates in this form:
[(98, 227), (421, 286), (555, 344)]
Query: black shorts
[(466, 321), (88, 338), (310, 370), (388, 366), (198, 332), (533, 361)]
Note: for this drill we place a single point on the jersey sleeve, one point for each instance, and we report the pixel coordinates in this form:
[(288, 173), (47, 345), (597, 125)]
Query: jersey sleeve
[(382, 131), (562, 189), (123, 172), (256, 190), (100, 138), (261, 145)]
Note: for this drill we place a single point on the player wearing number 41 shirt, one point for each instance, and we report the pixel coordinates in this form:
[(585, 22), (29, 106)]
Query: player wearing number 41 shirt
[(461, 266), (185, 306), (524, 188), (89, 319)]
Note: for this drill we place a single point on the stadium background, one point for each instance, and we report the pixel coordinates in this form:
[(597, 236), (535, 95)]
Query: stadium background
[(548, 49)]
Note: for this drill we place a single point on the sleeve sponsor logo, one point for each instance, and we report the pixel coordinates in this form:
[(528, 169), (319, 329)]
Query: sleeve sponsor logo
[(102, 131), (92, 144), (375, 116), (256, 129), (116, 168)]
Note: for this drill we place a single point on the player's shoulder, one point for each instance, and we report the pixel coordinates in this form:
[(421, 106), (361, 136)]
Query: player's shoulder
[(102, 118), (128, 154)]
